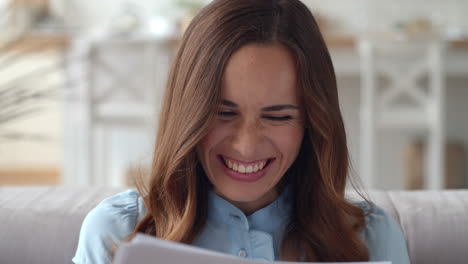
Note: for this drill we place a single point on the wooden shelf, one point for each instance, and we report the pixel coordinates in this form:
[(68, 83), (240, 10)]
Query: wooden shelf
[(349, 41), (40, 176), (461, 44), (339, 41), (36, 42)]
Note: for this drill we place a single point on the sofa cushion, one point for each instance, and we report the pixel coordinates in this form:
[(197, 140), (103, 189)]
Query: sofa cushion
[(41, 224), (435, 225)]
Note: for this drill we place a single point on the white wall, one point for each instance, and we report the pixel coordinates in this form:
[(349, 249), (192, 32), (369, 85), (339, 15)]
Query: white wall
[(347, 15), (88, 13), (382, 14)]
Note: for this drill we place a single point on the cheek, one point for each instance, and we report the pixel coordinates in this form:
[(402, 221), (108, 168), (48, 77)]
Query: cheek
[(288, 140), (213, 138)]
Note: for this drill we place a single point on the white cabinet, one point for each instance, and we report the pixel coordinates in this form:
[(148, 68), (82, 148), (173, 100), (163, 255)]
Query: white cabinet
[(111, 111)]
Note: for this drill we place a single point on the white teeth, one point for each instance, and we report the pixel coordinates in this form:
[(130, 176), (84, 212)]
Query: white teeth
[(241, 169), (255, 169), (245, 168)]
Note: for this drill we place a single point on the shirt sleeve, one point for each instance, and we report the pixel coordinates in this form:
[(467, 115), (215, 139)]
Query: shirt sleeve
[(105, 226), (384, 238)]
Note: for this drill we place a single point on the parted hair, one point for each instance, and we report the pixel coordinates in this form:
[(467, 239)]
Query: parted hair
[(324, 226)]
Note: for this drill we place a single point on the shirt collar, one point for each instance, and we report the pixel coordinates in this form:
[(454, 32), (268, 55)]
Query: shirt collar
[(268, 219)]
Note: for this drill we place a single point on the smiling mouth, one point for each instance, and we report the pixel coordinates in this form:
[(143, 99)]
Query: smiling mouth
[(245, 167)]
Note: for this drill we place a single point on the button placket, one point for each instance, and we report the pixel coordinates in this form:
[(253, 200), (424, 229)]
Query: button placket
[(262, 245)]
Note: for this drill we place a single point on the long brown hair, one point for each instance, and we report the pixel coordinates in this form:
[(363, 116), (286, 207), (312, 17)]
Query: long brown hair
[(324, 226)]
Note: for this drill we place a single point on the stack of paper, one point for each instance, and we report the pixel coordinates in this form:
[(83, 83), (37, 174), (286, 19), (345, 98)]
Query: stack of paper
[(146, 249)]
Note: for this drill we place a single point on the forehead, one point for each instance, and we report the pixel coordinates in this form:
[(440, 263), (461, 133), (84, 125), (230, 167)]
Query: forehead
[(260, 74)]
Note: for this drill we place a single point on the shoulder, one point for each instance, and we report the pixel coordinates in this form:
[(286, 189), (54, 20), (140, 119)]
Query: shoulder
[(106, 225), (383, 235)]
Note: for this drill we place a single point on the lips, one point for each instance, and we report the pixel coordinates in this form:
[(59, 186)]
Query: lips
[(243, 167)]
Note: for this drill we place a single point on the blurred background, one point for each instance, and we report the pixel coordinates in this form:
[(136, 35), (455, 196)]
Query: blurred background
[(81, 85)]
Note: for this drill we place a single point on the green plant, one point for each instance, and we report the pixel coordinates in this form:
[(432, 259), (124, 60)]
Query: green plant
[(17, 99)]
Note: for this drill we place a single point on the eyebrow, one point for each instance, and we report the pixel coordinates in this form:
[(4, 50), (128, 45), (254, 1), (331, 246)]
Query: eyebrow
[(266, 109)]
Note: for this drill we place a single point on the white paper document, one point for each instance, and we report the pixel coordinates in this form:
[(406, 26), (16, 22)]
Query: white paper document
[(144, 249)]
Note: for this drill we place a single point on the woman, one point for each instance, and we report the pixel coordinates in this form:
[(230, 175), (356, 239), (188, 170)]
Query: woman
[(251, 156)]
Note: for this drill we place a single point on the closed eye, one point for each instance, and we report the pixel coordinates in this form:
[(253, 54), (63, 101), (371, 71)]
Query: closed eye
[(227, 113), (269, 117), (279, 118)]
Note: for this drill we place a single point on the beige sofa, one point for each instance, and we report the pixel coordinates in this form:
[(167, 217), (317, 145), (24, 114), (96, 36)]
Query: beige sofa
[(41, 224)]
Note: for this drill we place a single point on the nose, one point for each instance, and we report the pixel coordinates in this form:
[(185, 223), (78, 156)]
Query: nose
[(247, 138)]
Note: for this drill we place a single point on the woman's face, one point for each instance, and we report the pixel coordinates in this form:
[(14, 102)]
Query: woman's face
[(258, 131)]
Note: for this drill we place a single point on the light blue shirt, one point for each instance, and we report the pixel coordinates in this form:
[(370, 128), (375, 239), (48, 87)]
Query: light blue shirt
[(228, 229)]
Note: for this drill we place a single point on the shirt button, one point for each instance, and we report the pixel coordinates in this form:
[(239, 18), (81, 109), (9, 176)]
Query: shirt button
[(242, 253)]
